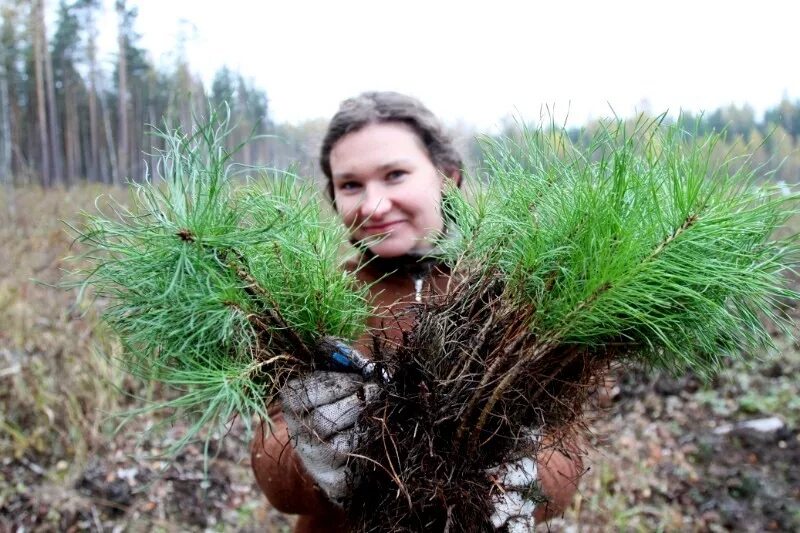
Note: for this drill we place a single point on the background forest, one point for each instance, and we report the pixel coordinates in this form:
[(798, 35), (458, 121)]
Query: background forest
[(668, 452), (66, 117)]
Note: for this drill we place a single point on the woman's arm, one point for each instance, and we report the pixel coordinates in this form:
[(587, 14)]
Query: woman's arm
[(288, 487), (559, 473)]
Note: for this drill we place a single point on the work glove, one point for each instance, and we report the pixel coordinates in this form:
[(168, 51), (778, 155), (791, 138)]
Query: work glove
[(516, 490), (321, 410)]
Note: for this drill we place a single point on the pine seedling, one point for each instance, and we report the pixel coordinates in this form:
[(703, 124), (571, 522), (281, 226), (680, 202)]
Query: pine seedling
[(217, 287), (634, 248), (637, 238)]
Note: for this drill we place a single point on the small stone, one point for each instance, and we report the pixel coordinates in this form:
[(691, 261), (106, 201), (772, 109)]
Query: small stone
[(723, 429), (763, 425), (128, 474), (760, 425)]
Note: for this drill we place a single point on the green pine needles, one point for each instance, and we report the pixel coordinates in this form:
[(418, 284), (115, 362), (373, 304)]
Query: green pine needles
[(571, 256), (637, 238), (218, 286)]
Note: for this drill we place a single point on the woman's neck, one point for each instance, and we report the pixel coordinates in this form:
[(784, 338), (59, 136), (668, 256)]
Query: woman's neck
[(413, 268)]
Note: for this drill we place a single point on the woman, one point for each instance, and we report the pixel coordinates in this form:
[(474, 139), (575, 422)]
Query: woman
[(387, 161)]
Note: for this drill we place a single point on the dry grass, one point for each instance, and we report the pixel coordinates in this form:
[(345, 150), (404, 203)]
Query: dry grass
[(55, 392), (64, 466)]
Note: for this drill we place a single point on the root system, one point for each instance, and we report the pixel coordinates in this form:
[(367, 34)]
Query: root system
[(468, 382)]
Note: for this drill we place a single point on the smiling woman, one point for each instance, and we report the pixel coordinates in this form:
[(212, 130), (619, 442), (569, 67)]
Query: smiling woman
[(387, 189), (388, 161)]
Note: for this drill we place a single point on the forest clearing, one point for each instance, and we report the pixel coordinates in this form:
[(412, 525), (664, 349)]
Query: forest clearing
[(667, 453), (80, 450)]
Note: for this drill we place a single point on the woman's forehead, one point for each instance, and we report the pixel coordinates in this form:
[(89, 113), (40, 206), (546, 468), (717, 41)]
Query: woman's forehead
[(374, 148)]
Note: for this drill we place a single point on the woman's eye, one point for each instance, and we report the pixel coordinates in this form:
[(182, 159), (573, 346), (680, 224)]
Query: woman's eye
[(395, 174), (349, 186)]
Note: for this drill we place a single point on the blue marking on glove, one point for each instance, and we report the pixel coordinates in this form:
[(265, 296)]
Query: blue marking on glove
[(340, 357), (346, 359)]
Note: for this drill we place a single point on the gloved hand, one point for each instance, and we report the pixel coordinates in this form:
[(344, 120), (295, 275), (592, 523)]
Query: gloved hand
[(321, 410), (516, 490)]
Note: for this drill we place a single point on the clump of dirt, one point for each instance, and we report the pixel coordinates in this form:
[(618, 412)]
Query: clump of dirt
[(125, 485), (754, 478)]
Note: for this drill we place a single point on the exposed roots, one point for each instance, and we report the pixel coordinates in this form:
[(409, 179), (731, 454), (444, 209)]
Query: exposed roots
[(468, 382)]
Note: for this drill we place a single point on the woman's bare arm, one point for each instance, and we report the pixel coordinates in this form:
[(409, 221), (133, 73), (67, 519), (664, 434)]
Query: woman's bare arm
[(559, 473)]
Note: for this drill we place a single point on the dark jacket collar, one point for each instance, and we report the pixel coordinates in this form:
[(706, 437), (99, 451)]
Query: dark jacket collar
[(412, 265)]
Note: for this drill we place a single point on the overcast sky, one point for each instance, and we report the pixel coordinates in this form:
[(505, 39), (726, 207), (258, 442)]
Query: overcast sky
[(477, 62)]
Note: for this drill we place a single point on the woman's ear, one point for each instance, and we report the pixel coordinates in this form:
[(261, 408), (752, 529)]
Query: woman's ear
[(452, 174)]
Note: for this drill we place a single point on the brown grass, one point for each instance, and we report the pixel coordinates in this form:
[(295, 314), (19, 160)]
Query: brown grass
[(55, 392), (64, 465)]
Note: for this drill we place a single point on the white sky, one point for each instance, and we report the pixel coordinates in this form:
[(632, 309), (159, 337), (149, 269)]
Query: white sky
[(476, 62)]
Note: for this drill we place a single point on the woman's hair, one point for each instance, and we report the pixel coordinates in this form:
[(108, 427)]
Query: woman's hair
[(386, 107)]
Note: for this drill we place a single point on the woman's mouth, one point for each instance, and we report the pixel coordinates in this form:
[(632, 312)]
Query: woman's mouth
[(380, 228)]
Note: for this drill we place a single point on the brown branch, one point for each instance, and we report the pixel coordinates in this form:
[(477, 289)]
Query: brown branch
[(688, 223), (278, 322), (186, 235)]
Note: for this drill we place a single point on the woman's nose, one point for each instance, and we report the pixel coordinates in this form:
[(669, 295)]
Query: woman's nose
[(375, 203)]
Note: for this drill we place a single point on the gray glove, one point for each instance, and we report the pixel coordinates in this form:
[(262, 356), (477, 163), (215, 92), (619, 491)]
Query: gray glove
[(516, 491), (321, 411)]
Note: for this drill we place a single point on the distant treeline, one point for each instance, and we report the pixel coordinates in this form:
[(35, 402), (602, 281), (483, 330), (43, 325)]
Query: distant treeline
[(770, 145), (66, 117)]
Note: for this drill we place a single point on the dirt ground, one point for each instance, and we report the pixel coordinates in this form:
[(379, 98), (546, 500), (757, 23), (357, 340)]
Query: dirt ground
[(667, 453)]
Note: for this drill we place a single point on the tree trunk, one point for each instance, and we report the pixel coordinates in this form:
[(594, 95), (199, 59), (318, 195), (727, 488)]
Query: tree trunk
[(15, 115), (77, 137), (85, 138), (122, 96), (94, 123), (136, 137), (70, 134), (112, 157), (41, 113), (5, 135), (56, 149)]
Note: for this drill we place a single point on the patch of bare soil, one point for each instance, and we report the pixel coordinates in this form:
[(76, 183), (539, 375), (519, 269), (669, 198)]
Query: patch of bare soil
[(125, 488), (677, 455)]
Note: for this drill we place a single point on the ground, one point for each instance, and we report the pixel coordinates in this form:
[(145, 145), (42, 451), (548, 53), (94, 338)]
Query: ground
[(667, 453)]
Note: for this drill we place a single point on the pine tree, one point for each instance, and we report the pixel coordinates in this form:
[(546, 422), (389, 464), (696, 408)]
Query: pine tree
[(220, 289), (635, 248)]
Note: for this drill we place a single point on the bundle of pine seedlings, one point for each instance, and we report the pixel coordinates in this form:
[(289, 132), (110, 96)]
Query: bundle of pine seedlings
[(635, 248), (219, 287)]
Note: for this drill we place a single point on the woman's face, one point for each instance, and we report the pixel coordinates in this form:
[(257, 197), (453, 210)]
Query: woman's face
[(387, 190)]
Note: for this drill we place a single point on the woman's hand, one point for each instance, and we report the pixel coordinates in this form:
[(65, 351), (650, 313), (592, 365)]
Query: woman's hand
[(516, 490), (321, 411), (514, 501)]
